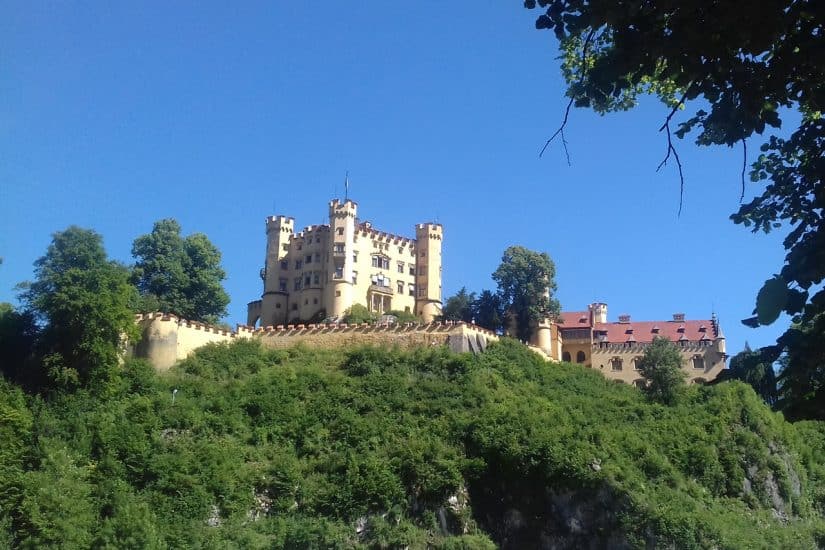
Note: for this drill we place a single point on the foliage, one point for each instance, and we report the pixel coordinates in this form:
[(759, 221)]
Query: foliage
[(179, 275), (82, 299), (404, 316), (459, 307), (739, 70), (381, 448), (802, 372), (661, 367), (358, 314), (488, 311), (526, 283), (751, 368), (18, 336)]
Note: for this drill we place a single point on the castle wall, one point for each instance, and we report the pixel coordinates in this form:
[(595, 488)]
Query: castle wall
[(166, 339), (712, 361)]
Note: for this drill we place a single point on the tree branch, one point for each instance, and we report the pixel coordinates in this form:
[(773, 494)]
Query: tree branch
[(560, 130), (744, 164), (672, 149)]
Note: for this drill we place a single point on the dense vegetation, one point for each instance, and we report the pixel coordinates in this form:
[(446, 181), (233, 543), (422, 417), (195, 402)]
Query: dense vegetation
[(383, 448)]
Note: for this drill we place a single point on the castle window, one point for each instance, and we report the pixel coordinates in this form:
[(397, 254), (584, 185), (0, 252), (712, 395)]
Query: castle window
[(315, 301), (317, 258), (316, 278), (299, 264), (307, 280), (340, 230), (297, 283), (580, 357), (339, 272), (308, 259), (401, 267), (639, 383), (355, 257), (401, 287), (422, 291), (294, 307), (381, 262), (616, 363), (284, 264), (282, 285), (636, 361), (306, 302), (698, 362), (411, 289), (565, 356), (300, 246), (355, 277), (284, 247), (339, 248), (277, 306), (412, 269), (337, 293), (317, 239)]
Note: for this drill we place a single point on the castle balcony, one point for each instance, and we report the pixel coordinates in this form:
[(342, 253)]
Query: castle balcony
[(378, 289)]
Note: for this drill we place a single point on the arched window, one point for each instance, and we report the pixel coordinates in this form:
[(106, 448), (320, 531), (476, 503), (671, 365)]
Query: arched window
[(698, 362), (636, 361), (565, 356), (580, 357)]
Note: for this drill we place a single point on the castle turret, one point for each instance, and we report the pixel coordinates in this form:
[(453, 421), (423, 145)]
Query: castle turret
[(598, 312), (340, 291), (279, 231), (429, 237)]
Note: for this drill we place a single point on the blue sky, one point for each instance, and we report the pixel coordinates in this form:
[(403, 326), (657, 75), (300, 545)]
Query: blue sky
[(112, 117)]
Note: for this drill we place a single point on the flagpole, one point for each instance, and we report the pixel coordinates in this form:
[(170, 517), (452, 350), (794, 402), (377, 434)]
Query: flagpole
[(346, 187)]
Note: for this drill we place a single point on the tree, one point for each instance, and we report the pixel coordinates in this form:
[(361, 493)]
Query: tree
[(459, 307), (661, 367), (801, 391), (82, 299), (18, 336), (526, 282), (179, 275), (750, 367), (488, 311), (738, 69)]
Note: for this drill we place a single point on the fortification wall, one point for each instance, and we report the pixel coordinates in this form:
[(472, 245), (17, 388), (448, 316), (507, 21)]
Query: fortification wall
[(166, 339)]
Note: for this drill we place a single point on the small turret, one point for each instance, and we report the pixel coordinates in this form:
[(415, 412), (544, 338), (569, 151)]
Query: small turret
[(339, 293), (598, 312)]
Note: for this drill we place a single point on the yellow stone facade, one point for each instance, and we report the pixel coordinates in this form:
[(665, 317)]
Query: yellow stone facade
[(613, 348), (324, 270)]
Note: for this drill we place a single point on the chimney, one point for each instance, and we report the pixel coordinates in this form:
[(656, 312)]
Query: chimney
[(679, 317), (624, 318)]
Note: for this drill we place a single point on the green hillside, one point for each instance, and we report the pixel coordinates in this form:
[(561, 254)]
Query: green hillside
[(390, 449)]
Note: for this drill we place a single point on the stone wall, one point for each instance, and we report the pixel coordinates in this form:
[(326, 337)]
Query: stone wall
[(166, 339)]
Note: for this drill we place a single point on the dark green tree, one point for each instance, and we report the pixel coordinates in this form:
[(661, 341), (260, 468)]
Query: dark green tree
[(526, 283), (750, 366), (661, 367), (18, 336), (488, 311), (179, 275), (459, 307), (802, 371), (82, 299), (726, 71)]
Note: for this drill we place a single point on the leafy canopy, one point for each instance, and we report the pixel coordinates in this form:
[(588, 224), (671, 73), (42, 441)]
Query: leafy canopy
[(83, 302), (179, 275), (459, 307), (526, 282), (661, 367), (737, 70)]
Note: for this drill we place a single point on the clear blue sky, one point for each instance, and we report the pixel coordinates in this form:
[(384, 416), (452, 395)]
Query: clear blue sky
[(112, 117)]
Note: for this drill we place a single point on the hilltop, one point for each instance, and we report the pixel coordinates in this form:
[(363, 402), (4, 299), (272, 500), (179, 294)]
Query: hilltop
[(387, 448)]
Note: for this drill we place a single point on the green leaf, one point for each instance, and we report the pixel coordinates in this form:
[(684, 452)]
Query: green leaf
[(771, 300)]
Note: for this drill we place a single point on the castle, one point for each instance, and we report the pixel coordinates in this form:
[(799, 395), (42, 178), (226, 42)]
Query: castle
[(324, 270), (614, 348), (319, 273)]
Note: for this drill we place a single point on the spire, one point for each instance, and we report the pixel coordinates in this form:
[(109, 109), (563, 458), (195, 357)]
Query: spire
[(346, 186)]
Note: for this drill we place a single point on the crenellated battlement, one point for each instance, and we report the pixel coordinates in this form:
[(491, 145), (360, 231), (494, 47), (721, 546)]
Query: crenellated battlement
[(167, 338)]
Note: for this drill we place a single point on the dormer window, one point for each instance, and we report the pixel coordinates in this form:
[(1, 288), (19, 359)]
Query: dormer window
[(655, 329)]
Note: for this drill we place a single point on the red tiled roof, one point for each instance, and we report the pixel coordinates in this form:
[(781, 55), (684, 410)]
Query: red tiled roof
[(642, 331), (574, 319)]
